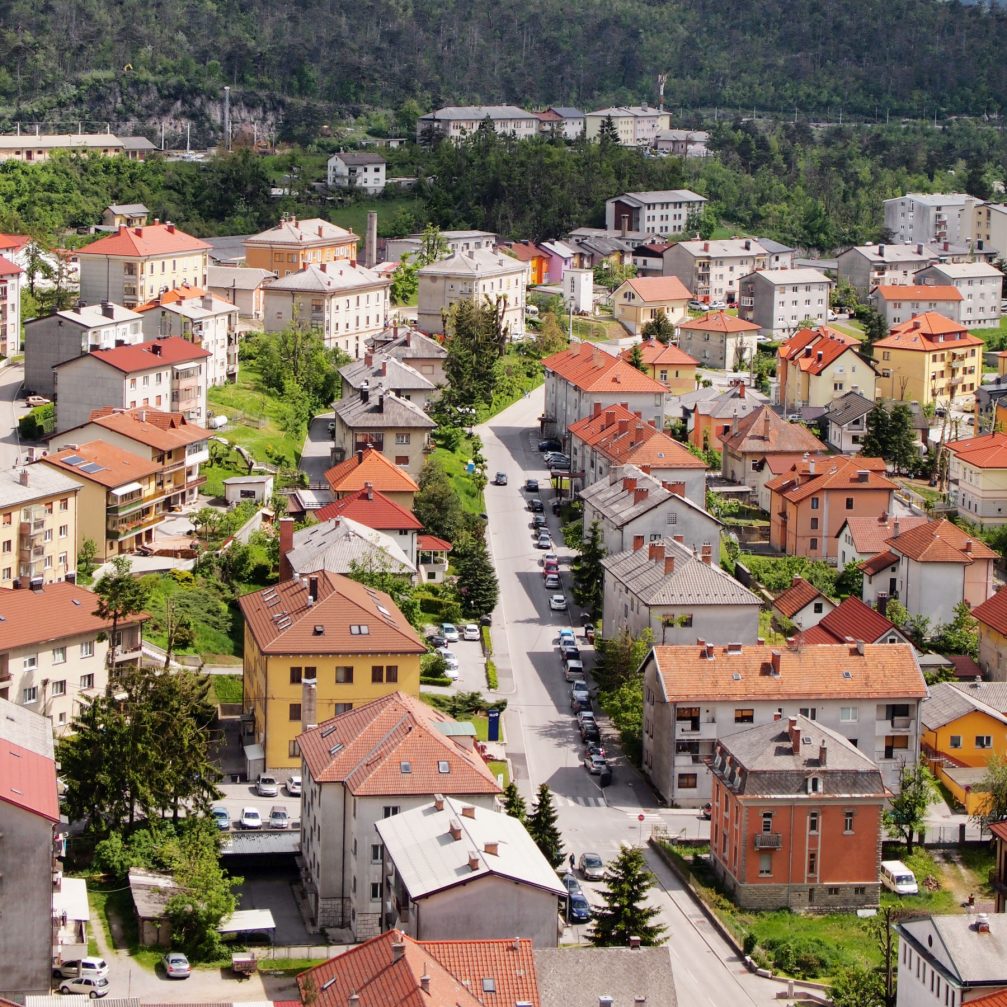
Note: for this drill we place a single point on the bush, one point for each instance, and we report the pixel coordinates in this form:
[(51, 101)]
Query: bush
[(492, 681), (801, 957), (748, 944)]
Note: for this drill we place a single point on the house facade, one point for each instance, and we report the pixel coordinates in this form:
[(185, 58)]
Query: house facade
[(664, 587), (412, 347), (371, 508), (455, 122), (318, 648), (796, 818), (699, 694), (712, 269), (860, 538), (668, 364), (802, 604), (361, 172), (138, 263), (371, 468), (637, 125), (294, 245), (980, 285), (779, 300), (379, 759), (710, 413), (845, 422), (977, 477), (242, 287), (815, 366), (642, 299), (10, 307), (900, 303), (719, 340), (656, 212), (865, 267), (385, 371), (931, 217)]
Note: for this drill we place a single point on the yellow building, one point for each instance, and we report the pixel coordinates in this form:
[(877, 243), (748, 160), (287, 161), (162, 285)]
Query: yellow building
[(295, 244), (641, 299), (977, 477), (38, 526), (121, 499), (675, 369), (315, 647), (815, 366), (928, 359), (961, 730), (991, 617)]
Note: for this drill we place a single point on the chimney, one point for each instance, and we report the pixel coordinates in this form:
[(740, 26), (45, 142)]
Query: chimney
[(365, 392), (680, 539), (107, 310), (655, 551), (371, 240), (468, 811), (819, 355), (368, 359), (982, 923), (919, 249), (669, 565), (23, 477), (492, 847), (353, 1000), (765, 423), (169, 227), (895, 529), (795, 734), (596, 410), (811, 466), (823, 751), (384, 369), (438, 802), (628, 484), (609, 417), (634, 943), (776, 661), (286, 544), (360, 456), (398, 951), (706, 246), (795, 580), (748, 245), (741, 391), (623, 426), (605, 1001), (381, 402), (675, 489), (637, 543), (706, 553), (155, 348), (624, 224), (369, 490), (474, 862), (640, 495), (425, 983), (968, 545), (312, 590), (455, 830)]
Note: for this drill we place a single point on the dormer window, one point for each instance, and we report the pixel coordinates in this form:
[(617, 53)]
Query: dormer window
[(814, 784)]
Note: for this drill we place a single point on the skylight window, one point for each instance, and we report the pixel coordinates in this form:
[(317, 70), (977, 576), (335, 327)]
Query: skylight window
[(489, 985), (443, 766), (359, 630)]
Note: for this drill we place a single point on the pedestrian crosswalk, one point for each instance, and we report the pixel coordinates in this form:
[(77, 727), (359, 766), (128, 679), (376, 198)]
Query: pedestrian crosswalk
[(584, 802)]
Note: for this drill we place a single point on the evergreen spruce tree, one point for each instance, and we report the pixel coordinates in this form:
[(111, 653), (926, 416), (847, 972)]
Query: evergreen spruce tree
[(542, 827), (877, 440), (659, 328), (588, 573), (626, 914), (477, 580), (902, 451), (514, 804), (636, 358)]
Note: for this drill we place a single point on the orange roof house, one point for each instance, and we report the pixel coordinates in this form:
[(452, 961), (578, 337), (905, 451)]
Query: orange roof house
[(703, 692), (808, 505), (710, 413), (538, 261), (668, 364), (850, 620), (371, 468), (293, 245), (977, 477), (719, 340), (928, 359), (642, 299), (802, 604), (814, 366), (860, 538), (579, 377), (991, 616)]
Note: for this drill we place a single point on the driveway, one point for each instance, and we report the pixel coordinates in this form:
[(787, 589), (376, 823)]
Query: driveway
[(315, 454)]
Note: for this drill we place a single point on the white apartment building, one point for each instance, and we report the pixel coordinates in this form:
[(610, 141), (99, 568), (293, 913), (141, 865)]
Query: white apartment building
[(361, 172), (979, 283), (991, 228), (778, 300), (458, 121), (345, 302), (10, 307), (932, 217), (713, 269), (655, 212), (637, 125), (456, 241), (473, 276), (867, 266)]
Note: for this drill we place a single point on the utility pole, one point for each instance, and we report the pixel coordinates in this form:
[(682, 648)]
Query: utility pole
[(227, 117), (162, 134)]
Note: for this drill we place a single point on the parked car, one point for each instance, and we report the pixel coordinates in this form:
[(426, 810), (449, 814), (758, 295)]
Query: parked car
[(718, 305), (267, 786), (531, 485), (572, 884), (550, 557), (594, 764), (555, 456), (560, 464), (573, 671), (470, 632), (566, 634), (90, 966), (593, 749), (582, 704), (698, 306), (278, 817), (176, 965), (250, 818), (544, 540), (589, 731), (449, 631), (557, 603), (538, 521), (221, 818), (579, 688), (550, 568), (449, 656), (569, 651), (85, 985), (500, 479), (550, 444), (37, 400), (591, 866), (294, 785), (451, 671), (436, 641), (535, 505), (579, 909), (552, 581)]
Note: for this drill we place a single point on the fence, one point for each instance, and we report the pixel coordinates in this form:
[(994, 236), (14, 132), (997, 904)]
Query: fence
[(286, 952)]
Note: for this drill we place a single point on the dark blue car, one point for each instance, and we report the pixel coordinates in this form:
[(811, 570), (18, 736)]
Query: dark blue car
[(580, 909)]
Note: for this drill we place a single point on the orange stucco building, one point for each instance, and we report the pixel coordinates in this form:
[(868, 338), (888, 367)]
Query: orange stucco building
[(295, 244), (796, 818)]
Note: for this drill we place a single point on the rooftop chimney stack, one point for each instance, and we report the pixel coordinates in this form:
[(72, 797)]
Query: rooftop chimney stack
[(634, 943), (438, 802), (313, 589), (286, 544), (776, 661), (795, 734), (637, 543), (398, 951), (425, 983), (455, 830), (468, 811), (823, 753), (474, 862)]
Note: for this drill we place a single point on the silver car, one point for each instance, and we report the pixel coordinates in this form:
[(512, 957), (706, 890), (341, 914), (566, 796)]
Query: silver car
[(267, 786)]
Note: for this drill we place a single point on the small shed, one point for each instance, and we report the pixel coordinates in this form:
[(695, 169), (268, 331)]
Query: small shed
[(238, 489), (151, 892), (247, 921)]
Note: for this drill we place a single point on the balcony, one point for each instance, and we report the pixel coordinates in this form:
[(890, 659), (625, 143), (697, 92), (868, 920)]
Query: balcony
[(128, 651), (118, 530), (692, 731), (893, 725), (768, 841)]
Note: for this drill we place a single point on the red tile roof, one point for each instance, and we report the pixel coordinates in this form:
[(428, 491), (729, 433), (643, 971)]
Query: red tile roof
[(882, 671), (431, 543), (14, 242), (921, 332), (656, 354), (659, 288), (282, 621), (812, 350), (159, 430), (372, 508), (987, 451), (719, 321), (174, 296), (876, 564), (941, 542), (796, 597), (452, 970), (525, 251), (838, 473), (366, 747), (869, 534), (146, 356), (999, 829), (765, 432), (8, 268), (966, 669), (993, 612), (28, 780), (638, 444), (371, 467), (998, 999), (852, 619), (593, 370), (116, 466), (150, 239), (54, 613), (910, 292)]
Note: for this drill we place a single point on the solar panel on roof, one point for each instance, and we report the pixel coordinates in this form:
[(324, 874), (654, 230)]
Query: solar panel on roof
[(73, 459), (91, 468)]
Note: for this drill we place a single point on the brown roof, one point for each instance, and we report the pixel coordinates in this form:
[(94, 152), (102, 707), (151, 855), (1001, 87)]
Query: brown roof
[(987, 451), (367, 747), (940, 542), (839, 473), (852, 619), (659, 288), (353, 619), (103, 463), (869, 534), (655, 354), (910, 292), (633, 443), (799, 594), (719, 321), (370, 466), (372, 508), (993, 612), (160, 430), (876, 564), (883, 670), (928, 332), (147, 239), (54, 613), (162, 352), (765, 432)]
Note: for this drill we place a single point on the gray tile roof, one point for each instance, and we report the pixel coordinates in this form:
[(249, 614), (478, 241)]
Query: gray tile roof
[(382, 411), (236, 277), (774, 247), (358, 158), (993, 694), (336, 545), (578, 977), (567, 112), (692, 582), (385, 369), (947, 702), (477, 262), (478, 112), (337, 276), (40, 481), (407, 344), (953, 943), (772, 768), (847, 408), (619, 505), (130, 209)]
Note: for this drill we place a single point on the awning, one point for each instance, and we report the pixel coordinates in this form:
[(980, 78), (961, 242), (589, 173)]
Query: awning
[(121, 491), (247, 919), (187, 365)]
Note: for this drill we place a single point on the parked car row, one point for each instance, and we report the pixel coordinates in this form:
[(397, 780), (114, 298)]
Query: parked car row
[(251, 818)]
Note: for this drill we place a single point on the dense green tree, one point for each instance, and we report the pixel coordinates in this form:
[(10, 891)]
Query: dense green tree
[(858, 987), (660, 328), (475, 341), (433, 247), (625, 912), (890, 435), (993, 787), (618, 658), (543, 829), (514, 804), (960, 635), (636, 358), (405, 280), (624, 707), (296, 361), (478, 586), (436, 504), (87, 556), (550, 337), (875, 328), (906, 816), (916, 627), (588, 573), (119, 595), (850, 581)]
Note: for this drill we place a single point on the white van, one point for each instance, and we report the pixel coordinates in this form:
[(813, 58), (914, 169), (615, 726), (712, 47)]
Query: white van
[(896, 877)]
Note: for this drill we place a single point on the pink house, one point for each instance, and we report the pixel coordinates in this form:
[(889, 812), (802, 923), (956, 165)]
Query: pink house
[(560, 259)]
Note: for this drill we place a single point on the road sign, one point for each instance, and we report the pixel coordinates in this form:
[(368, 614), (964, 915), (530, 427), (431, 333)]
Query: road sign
[(641, 818)]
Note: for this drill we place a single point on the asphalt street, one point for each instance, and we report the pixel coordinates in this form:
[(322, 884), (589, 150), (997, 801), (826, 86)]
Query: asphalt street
[(11, 408)]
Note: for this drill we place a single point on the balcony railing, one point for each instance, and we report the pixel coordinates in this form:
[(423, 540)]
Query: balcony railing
[(123, 529), (768, 840)]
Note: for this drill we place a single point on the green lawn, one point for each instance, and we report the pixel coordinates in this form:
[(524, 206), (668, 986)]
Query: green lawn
[(850, 328), (354, 216), (454, 465), (995, 338), (499, 769), (215, 620), (227, 688)]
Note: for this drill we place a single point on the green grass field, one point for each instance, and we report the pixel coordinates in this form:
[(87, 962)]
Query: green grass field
[(227, 688), (454, 465), (216, 624)]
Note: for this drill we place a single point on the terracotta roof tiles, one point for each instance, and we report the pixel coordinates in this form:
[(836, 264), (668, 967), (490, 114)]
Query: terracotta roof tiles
[(993, 612), (869, 534), (922, 332), (914, 292), (149, 239), (147, 356), (159, 430), (839, 473), (370, 467), (987, 451), (659, 288), (8, 268), (765, 432), (852, 618), (656, 354), (622, 437), (592, 369), (102, 463), (796, 597), (880, 562), (372, 508), (940, 542), (719, 321)]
